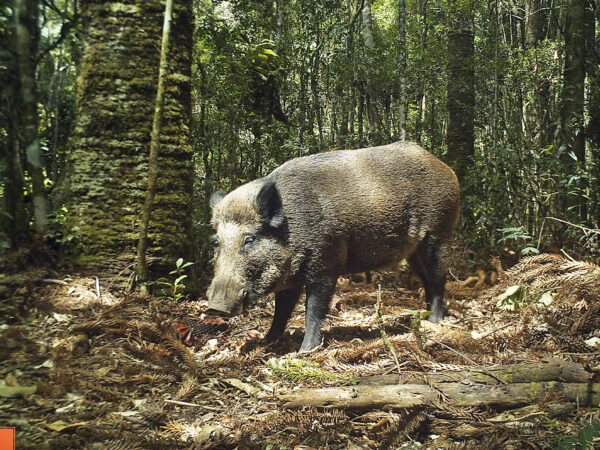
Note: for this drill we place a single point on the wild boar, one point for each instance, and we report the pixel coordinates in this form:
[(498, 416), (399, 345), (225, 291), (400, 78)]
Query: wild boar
[(320, 216)]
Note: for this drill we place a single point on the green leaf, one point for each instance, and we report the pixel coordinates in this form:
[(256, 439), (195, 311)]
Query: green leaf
[(179, 262), (269, 52), (180, 279), (511, 299), (16, 391), (547, 298)]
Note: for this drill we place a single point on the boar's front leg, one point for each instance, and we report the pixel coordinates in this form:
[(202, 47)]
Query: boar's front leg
[(318, 296), (284, 305), (428, 263)]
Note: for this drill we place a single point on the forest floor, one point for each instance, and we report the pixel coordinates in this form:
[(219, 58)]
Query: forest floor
[(123, 371)]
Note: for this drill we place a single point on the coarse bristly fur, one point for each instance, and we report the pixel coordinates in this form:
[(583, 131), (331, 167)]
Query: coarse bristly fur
[(320, 216)]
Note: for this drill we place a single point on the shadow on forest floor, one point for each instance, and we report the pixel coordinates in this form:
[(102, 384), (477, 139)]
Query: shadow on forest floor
[(123, 371)]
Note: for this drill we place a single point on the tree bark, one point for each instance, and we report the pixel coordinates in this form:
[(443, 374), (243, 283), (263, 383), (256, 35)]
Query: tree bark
[(592, 15), (461, 90), (573, 93), (15, 223), (456, 394), (572, 123), (111, 137), (26, 44), (142, 265), (522, 384)]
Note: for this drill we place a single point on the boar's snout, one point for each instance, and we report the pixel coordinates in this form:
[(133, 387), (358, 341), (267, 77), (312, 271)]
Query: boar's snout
[(226, 298)]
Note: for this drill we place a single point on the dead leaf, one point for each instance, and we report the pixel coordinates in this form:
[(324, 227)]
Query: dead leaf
[(61, 425), (247, 388)]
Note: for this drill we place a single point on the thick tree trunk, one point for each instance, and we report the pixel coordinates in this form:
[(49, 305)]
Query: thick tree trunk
[(111, 137), (461, 91), (534, 22), (26, 44)]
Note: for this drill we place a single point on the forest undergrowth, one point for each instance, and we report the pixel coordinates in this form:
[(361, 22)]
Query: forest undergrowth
[(84, 367)]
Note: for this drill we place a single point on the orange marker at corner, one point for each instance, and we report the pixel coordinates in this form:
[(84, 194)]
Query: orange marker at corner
[(7, 438)]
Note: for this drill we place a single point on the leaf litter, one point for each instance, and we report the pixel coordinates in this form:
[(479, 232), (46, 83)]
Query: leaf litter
[(144, 372)]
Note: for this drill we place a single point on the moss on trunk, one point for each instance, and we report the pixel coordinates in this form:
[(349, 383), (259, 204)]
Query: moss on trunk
[(111, 137)]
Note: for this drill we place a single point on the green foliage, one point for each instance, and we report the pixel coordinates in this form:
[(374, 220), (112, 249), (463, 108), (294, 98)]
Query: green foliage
[(176, 288), (516, 237), (56, 226), (584, 439), (301, 370)]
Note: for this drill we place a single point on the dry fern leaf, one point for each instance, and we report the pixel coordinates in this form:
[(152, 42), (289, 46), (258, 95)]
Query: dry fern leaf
[(184, 354), (253, 357), (189, 386), (104, 393)]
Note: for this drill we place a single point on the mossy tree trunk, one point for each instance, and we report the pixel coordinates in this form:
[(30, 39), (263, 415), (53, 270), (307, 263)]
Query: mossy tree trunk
[(111, 137)]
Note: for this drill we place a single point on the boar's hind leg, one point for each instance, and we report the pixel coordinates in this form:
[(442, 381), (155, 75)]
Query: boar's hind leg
[(427, 262), (284, 305), (318, 296)]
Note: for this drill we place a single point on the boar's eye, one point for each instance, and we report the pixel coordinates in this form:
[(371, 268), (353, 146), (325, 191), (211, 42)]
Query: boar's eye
[(214, 241), (249, 240)]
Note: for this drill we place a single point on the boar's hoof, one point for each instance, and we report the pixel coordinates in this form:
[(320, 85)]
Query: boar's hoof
[(435, 317)]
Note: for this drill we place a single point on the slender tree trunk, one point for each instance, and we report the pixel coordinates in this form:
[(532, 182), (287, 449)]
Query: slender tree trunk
[(303, 109), (278, 5), (421, 82), (461, 91), (14, 185), (111, 137), (142, 265), (593, 127), (14, 223), (419, 120), (26, 44), (361, 109), (572, 125), (314, 83), (402, 64), (372, 114)]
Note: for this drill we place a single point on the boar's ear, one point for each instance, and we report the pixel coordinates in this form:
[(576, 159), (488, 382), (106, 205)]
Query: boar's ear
[(269, 204), (216, 198)]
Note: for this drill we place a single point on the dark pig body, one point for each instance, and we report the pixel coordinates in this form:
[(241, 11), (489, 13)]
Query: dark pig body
[(320, 216)]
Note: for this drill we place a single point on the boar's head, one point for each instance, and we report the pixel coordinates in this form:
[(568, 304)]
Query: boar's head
[(252, 257)]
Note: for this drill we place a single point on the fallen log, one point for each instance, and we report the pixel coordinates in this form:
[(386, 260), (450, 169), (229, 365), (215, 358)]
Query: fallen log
[(502, 396), (548, 370)]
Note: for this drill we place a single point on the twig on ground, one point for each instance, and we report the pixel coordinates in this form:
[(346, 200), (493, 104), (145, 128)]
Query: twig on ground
[(177, 402), (465, 357), (384, 335)]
